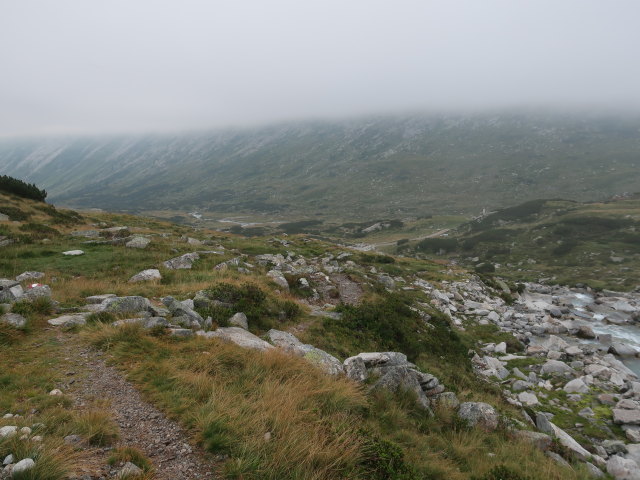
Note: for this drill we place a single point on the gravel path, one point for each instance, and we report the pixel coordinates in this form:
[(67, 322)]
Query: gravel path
[(142, 425)]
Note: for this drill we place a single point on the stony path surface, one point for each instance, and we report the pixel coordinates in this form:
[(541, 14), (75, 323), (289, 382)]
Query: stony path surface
[(142, 425)]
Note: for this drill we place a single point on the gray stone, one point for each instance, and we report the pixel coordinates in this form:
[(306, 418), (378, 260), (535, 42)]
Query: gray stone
[(22, 466), (622, 350), (528, 399), (446, 400), (138, 242), (14, 319), (402, 378), (576, 386), (387, 281), (586, 331), (355, 369), (557, 367), (623, 468), (10, 290), (624, 416), (613, 447), (129, 470), (594, 471), (182, 262), (278, 277), (479, 414), (320, 358), (383, 359), (131, 304), (31, 293), (178, 309), (98, 299), (29, 276), (239, 320), (240, 337), (9, 459), (146, 276), (8, 431)]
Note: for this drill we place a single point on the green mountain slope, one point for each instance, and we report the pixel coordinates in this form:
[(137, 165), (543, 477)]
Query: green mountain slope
[(566, 242), (366, 167)]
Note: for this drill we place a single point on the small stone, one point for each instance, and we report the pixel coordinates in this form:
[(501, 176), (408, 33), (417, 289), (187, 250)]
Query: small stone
[(9, 459), (55, 391), (129, 470)]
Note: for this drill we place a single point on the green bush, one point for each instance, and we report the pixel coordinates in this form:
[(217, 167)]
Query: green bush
[(262, 311), (436, 245), (39, 230), (384, 460), (390, 324)]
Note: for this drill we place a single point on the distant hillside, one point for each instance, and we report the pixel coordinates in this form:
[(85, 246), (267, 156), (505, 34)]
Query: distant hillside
[(352, 169), (597, 244)]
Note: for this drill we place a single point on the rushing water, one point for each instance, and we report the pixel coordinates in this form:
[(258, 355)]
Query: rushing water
[(627, 333)]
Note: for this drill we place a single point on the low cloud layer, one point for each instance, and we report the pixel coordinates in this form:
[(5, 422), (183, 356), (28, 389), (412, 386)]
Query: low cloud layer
[(76, 66)]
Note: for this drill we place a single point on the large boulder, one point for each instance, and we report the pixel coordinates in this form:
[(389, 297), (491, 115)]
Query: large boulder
[(239, 336), (182, 262), (320, 358), (479, 414)]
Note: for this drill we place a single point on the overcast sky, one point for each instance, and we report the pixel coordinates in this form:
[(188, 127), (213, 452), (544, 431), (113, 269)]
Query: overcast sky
[(91, 66)]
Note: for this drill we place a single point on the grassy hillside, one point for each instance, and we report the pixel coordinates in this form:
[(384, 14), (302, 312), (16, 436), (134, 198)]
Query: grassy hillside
[(229, 398), (566, 242), (349, 170)]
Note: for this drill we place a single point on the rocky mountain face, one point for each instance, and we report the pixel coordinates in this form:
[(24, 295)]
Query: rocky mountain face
[(374, 166)]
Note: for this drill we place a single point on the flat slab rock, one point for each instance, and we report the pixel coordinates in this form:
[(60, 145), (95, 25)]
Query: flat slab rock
[(68, 320)]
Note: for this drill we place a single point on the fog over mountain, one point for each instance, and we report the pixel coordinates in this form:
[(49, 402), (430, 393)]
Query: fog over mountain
[(155, 66)]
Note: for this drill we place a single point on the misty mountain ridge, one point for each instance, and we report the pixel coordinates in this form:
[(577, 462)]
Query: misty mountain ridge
[(400, 165)]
